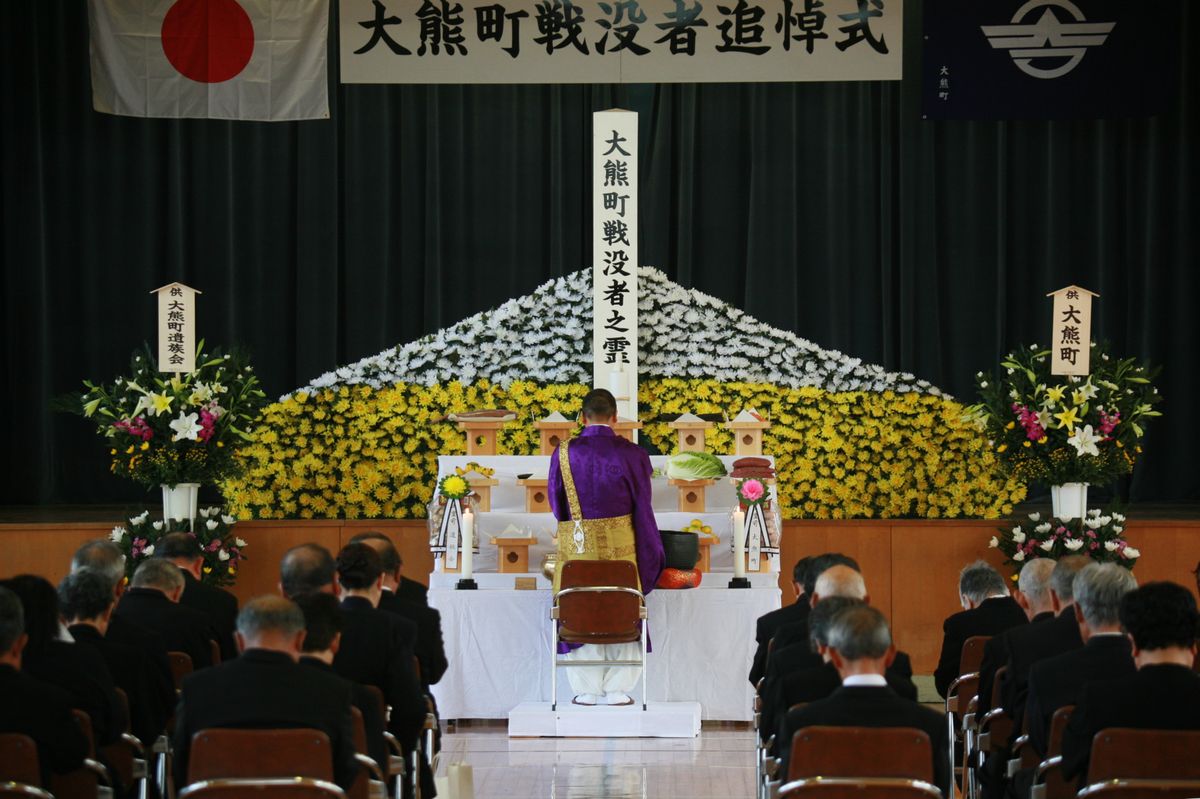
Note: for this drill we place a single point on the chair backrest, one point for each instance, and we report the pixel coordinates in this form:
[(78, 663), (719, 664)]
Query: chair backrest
[(222, 753), (998, 681), (360, 731), (82, 782), (1151, 754), (120, 754), (181, 666), (1142, 789), (600, 613), (972, 654), (964, 693), (1058, 728), (297, 788), (19, 759), (214, 652), (375, 691), (859, 788), (20, 790), (898, 752)]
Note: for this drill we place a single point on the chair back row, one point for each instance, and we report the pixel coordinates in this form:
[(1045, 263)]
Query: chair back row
[(599, 617), (897, 752)]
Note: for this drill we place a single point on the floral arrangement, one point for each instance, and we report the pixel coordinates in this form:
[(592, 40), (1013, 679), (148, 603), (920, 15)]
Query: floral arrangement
[(1059, 429), (166, 430), (221, 549), (454, 487), (1097, 535), (751, 491)]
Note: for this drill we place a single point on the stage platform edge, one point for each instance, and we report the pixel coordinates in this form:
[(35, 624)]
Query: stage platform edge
[(658, 720)]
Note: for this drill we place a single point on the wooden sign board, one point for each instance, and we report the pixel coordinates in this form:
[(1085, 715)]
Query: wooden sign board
[(176, 328), (1071, 331)]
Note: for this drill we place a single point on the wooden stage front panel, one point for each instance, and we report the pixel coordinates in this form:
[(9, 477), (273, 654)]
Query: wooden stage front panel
[(911, 566)]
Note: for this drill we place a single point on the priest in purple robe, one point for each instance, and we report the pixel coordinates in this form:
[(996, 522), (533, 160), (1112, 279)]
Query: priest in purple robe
[(602, 480)]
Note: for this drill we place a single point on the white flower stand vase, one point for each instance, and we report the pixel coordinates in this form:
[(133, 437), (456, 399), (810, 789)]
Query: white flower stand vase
[(1069, 500), (180, 501)]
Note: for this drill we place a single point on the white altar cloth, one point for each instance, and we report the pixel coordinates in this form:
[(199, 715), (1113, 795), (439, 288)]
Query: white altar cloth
[(498, 646)]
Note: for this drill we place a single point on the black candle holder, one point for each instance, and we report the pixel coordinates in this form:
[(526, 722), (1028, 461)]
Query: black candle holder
[(739, 582), (470, 585)]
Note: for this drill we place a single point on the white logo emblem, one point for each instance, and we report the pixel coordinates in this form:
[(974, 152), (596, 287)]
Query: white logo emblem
[(1049, 39)]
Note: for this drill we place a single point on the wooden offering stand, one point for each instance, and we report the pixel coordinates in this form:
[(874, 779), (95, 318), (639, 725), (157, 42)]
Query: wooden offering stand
[(482, 487), (537, 499), (514, 554), (691, 434), (481, 435), (705, 562), (748, 437), (691, 494), (625, 427), (552, 434)]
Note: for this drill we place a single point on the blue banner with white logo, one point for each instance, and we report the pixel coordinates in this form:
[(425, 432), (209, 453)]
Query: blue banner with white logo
[(1043, 59)]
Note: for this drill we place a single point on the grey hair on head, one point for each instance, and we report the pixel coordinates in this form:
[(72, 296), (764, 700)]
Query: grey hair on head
[(269, 614), (979, 580), (157, 573), (101, 556), (1098, 590), (1063, 578), (1034, 581), (860, 632)]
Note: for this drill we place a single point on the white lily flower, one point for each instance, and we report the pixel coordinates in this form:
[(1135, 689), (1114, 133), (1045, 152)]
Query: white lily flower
[(1074, 544), (186, 427), (1047, 545), (1093, 512), (1018, 536), (1044, 527), (222, 555), (211, 524), (1110, 546), (1118, 529), (1084, 440), (117, 535), (1131, 553), (995, 542), (158, 526), (148, 551), (239, 542), (228, 520), (1018, 556), (1035, 517)]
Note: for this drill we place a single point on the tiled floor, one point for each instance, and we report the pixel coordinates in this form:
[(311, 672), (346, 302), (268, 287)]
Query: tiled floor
[(717, 765)]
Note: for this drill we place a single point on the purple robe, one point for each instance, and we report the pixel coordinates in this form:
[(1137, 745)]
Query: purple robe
[(612, 477)]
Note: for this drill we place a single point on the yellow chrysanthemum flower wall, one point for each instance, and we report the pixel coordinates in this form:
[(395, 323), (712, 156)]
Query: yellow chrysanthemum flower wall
[(355, 451)]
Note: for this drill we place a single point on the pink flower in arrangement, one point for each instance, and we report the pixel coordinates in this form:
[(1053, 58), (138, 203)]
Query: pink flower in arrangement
[(1108, 422), (1029, 420), (752, 490), (213, 545), (207, 425), (135, 427), (1094, 545)]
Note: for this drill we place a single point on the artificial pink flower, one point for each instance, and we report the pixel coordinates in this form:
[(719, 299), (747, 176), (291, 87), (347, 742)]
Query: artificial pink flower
[(752, 490)]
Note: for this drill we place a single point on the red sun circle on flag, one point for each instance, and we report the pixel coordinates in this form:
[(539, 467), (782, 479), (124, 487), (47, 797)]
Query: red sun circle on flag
[(209, 41)]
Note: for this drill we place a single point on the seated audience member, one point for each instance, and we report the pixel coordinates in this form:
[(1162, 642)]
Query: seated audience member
[(401, 586), (220, 606), (152, 601), (988, 609), (769, 623), (79, 670), (818, 682), (266, 688), (796, 632), (1106, 653), (323, 628), (791, 653), (376, 647), (32, 707), (85, 601), (430, 650), (860, 648), (1164, 694)]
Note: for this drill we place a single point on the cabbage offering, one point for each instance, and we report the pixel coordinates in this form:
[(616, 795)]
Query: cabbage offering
[(695, 466)]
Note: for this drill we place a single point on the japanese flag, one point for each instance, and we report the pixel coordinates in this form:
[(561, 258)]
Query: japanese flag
[(219, 59)]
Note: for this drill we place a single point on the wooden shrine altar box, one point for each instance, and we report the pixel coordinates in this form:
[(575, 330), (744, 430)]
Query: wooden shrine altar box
[(748, 437), (691, 434), (513, 555), (552, 434), (691, 494), (482, 487), (625, 427), (482, 434), (537, 498)]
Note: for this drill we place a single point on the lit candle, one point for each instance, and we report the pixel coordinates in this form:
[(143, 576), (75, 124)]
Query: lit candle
[(739, 543), (468, 543)]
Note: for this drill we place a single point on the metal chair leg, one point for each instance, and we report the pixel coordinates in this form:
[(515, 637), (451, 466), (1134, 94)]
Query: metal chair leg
[(645, 671), (553, 664)]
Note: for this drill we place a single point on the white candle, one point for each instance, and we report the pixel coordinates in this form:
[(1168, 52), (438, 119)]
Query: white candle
[(739, 543), (468, 543), (616, 383)]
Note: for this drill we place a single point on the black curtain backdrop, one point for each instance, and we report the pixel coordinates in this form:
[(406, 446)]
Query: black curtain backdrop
[(828, 209)]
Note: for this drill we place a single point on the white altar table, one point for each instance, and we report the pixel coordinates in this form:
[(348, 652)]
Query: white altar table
[(498, 645)]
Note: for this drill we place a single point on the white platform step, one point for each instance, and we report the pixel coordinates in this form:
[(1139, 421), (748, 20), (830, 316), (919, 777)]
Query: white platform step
[(658, 720)]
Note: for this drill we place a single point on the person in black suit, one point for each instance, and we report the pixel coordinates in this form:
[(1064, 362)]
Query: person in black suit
[(412, 591), (1164, 693), (791, 652), (988, 609), (796, 631), (818, 682), (77, 669), (104, 557), (32, 707), (1106, 654), (377, 647), (86, 603), (323, 627), (266, 688), (769, 623), (219, 605), (860, 646), (153, 602)]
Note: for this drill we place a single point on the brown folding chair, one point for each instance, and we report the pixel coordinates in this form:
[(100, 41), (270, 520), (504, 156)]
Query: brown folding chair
[(1048, 781), (371, 771), (1123, 754), (221, 753), (127, 756), (859, 788), (214, 652), (19, 790), (181, 666), (294, 788), (996, 726), (19, 760), (1142, 789), (598, 603), (960, 695), (82, 783), (856, 752), (395, 766)]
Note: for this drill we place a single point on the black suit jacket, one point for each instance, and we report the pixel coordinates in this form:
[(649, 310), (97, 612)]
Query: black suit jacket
[(149, 707), (429, 648), (372, 713), (870, 706), (266, 690), (768, 624), (412, 591), (991, 617), (377, 650), (220, 606), (1165, 697), (1031, 644), (818, 682), (998, 652), (182, 629), (43, 712), (82, 673)]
